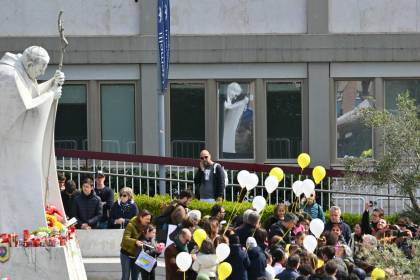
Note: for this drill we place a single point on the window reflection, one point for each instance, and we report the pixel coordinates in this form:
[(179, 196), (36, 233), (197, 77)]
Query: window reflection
[(395, 87), (236, 120), (352, 136)]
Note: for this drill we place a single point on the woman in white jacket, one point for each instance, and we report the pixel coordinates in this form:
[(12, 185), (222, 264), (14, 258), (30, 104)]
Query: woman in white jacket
[(206, 261)]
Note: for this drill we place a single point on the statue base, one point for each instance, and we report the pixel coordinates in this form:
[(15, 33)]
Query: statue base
[(64, 263)]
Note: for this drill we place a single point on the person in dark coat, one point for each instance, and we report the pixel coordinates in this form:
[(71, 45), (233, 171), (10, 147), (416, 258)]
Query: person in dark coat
[(68, 196), (291, 271), (107, 198), (257, 259), (88, 207), (238, 259), (283, 228), (249, 226), (335, 218), (210, 179), (179, 245), (123, 210), (370, 227)]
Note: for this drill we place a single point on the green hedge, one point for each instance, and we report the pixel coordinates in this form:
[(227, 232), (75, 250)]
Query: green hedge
[(156, 203)]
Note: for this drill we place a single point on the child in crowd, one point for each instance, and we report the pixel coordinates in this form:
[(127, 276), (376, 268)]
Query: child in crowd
[(206, 262), (269, 269), (152, 249), (279, 260), (336, 230), (330, 270), (299, 238)]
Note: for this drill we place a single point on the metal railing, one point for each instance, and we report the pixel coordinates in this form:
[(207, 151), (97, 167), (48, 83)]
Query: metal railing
[(142, 174), (187, 148)]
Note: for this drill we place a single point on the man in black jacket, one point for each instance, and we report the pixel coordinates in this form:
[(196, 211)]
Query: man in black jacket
[(88, 207), (257, 258), (210, 178), (251, 221), (282, 228), (107, 198), (335, 218)]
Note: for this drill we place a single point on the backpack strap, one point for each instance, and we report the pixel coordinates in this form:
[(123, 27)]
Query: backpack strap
[(215, 166)]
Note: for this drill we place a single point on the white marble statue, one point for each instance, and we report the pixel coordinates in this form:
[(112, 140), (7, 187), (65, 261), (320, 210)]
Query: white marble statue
[(28, 175), (233, 110)]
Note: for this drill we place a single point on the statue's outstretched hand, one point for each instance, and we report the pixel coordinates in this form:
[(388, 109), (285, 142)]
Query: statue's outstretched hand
[(59, 78)]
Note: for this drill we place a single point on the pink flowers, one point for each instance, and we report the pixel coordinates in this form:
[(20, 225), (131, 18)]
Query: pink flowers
[(160, 247)]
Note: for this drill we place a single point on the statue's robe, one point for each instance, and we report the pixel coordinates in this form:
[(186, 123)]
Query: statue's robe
[(28, 175), (232, 115)]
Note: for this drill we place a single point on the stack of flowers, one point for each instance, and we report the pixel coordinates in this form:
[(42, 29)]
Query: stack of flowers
[(54, 235)]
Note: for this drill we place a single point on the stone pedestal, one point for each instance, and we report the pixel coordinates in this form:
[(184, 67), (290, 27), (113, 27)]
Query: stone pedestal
[(64, 263)]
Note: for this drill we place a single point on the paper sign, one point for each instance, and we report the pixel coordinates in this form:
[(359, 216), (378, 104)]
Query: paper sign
[(171, 229), (145, 261)]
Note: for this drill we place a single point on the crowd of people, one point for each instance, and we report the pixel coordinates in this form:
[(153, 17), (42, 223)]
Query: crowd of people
[(274, 250), (271, 250)]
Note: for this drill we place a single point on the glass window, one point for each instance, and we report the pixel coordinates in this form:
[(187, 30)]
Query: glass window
[(352, 136), (284, 119), (117, 113), (187, 119), (71, 120), (236, 120), (395, 87)]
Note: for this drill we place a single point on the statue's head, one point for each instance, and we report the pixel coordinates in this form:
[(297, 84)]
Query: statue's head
[(35, 60), (233, 90)]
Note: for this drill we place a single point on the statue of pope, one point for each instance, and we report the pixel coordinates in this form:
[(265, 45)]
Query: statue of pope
[(28, 176)]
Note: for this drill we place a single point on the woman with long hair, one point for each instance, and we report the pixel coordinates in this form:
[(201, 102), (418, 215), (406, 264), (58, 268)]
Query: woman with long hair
[(131, 244)]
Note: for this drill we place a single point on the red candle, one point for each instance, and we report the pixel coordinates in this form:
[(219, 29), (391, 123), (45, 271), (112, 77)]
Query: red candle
[(26, 235)]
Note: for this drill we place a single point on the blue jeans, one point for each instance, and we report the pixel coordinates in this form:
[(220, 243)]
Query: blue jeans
[(128, 267)]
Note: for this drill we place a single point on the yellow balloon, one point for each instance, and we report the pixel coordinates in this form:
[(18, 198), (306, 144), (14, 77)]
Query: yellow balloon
[(320, 263), (287, 249), (277, 172), (319, 174), (303, 160), (224, 270), (378, 274), (199, 236)]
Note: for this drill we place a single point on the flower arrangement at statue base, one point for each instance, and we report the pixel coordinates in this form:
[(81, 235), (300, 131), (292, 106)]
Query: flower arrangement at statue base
[(55, 235)]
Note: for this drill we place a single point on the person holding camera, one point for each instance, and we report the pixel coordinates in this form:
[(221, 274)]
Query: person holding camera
[(371, 227)]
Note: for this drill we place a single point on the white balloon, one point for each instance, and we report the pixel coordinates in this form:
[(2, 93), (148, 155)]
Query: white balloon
[(297, 188), (252, 181), (259, 203), (317, 227), (222, 252), (183, 261), (271, 183), (308, 187), (310, 243), (242, 178)]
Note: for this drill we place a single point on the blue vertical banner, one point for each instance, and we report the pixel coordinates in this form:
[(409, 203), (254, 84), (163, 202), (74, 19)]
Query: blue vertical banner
[(163, 36)]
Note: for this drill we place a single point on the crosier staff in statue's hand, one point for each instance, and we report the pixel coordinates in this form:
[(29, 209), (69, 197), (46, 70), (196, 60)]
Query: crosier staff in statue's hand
[(58, 83)]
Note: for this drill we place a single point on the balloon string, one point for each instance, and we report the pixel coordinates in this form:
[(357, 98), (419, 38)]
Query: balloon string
[(282, 237), (184, 275), (235, 209)]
